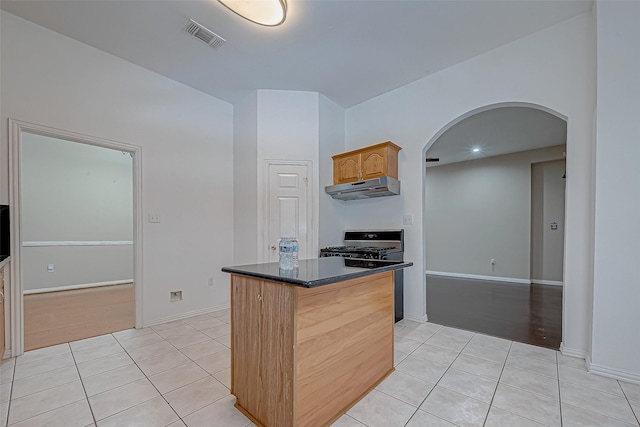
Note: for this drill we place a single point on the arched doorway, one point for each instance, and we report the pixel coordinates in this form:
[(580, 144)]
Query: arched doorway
[(494, 222)]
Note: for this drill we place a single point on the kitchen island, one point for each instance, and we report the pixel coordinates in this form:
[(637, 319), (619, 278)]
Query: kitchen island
[(307, 344)]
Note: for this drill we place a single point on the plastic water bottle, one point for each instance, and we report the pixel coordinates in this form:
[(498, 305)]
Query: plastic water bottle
[(285, 260), (295, 252)]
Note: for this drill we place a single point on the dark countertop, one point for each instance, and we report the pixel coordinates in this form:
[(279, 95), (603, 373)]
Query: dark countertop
[(317, 272)]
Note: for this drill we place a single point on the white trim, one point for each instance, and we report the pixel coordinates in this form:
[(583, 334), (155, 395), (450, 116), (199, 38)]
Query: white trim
[(186, 315), (16, 303), (616, 374), (77, 243), (479, 277), (73, 287), (547, 282), (421, 319), (572, 352)]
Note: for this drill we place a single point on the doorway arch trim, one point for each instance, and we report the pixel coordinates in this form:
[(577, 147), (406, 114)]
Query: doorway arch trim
[(444, 129), (16, 304)]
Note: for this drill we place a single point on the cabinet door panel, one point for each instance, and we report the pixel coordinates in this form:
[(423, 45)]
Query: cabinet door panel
[(245, 336), (374, 163), (276, 354), (347, 169)]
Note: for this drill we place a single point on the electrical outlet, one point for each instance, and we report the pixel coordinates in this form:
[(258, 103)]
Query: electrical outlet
[(407, 220), (175, 296), (210, 281), (154, 217)]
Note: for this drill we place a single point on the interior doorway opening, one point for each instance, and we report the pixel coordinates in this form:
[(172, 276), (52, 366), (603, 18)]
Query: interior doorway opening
[(76, 236), (478, 214)]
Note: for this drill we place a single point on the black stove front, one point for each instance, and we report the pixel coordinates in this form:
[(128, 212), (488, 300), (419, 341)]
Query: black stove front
[(364, 248)]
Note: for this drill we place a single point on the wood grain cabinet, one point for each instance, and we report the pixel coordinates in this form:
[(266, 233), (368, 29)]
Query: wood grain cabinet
[(301, 357), (366, 163)]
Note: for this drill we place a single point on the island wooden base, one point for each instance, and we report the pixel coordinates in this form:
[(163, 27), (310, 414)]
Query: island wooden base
[(304, 356)]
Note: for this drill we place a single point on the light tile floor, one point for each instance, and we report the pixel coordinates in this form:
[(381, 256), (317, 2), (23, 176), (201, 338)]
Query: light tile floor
[(177, 374)]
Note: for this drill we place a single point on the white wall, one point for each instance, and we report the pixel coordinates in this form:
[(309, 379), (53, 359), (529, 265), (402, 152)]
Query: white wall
[(288, 129), (547, 206), (284, 125), (480, 210), (75, 192), (553, 68), (616, 313), (245, 180), (331, 227), (187, 154)]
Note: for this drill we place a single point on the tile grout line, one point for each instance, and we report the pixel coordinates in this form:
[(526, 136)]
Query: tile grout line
[(518, 388), (447, 370), (434, 386), (154, 386), (95, 422), (504, 364), (443, 374), (147, 377), (50, 388), (624, 393), (13, 374), (394, 370), (86, 398), (559, 393), (134, 362)]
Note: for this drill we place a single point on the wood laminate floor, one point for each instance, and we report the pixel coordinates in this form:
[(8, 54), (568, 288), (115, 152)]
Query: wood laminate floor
[(529, 314)]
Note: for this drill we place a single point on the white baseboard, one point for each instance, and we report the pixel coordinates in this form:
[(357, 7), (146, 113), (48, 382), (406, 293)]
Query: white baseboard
[(181, 316), (8, 354), (420, 319), (72, 287), (479, 277), (616, 374), (547, 282), (77, 243), (572, 352)]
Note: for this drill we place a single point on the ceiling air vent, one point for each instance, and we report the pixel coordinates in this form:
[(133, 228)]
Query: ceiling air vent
[(204, 34)]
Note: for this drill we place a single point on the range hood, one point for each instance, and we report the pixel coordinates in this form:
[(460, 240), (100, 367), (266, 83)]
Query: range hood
[(377, 187)]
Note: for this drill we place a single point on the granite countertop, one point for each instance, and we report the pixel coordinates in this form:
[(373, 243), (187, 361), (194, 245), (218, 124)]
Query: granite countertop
[(317, 272)]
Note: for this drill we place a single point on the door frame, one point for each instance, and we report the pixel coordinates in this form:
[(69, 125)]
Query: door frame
[(263, 205), (16, 300)]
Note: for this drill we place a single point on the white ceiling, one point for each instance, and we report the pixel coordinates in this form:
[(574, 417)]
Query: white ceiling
[(498, 131), (349, 51)]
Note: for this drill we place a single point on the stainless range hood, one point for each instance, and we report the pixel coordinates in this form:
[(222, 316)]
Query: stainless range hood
[(377, 187)]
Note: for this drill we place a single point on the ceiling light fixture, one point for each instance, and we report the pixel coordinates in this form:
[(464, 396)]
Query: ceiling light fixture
[(476, 150), (263, 12)]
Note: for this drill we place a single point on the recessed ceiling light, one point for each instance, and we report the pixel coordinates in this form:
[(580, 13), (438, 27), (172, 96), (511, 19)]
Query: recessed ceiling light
[(262, 12), (476, 150)]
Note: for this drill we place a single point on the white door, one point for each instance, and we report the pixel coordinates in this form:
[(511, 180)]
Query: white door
[(289, 207)]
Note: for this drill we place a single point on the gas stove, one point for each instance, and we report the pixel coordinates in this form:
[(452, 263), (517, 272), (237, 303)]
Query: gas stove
[(369, 249), (365, 252), (384, 245)]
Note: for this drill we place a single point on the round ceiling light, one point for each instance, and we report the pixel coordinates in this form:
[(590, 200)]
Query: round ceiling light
[(262, 12), (476, 150)]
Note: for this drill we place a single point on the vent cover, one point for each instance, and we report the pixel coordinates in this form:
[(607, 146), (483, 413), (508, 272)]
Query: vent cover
[(204, 34)]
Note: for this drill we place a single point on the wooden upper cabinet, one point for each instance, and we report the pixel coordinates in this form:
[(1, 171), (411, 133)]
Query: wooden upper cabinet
[(366, 163), (346, 168)]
